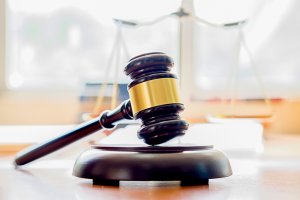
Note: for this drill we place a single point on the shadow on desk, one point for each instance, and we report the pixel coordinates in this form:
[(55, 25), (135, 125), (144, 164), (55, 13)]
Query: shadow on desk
[(142, 190)]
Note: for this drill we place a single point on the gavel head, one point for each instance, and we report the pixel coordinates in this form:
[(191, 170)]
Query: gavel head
[(154, 98)]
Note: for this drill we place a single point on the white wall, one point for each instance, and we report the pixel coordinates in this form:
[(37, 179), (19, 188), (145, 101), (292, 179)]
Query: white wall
[(2, 43)]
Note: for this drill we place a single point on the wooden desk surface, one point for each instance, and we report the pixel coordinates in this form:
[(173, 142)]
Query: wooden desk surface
[(273, 175)]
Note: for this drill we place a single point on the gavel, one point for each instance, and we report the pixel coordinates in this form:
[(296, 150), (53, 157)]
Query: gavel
[(153, 98)]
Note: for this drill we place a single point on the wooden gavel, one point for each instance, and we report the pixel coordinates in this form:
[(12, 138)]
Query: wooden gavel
[(153, 98)]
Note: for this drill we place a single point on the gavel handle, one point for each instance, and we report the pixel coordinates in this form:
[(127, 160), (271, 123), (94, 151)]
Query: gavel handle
[(104, 121)]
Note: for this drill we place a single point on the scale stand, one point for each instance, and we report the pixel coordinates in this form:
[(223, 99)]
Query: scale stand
[(189, 164)]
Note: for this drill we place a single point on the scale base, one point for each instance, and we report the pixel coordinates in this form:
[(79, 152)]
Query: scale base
[(191, 165)]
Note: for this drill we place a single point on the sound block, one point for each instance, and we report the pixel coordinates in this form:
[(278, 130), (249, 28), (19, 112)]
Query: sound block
[(190, 164)]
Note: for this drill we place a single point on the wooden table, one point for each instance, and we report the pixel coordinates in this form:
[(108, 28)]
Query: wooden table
[(273, 175)]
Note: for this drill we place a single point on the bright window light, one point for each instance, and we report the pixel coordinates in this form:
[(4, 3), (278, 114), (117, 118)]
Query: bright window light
[(271, 34), (60, 44)]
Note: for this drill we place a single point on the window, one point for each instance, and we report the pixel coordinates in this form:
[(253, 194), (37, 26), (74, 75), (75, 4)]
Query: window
[(61, 44)]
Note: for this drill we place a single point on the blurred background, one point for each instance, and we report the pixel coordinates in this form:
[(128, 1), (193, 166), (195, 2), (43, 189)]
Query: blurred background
[(55, 56)]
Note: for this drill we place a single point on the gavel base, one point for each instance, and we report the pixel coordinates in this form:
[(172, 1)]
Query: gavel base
[(191, 165)]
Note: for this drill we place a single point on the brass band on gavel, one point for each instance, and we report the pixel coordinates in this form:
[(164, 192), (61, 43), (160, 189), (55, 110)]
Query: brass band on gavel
[(152, 93)]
